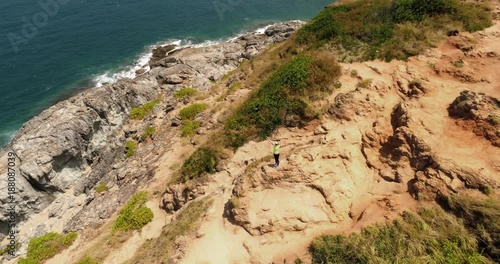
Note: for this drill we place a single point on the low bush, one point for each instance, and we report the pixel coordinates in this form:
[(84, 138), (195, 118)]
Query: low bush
[(202, 161), (87, 260), (458, 63), (364, 83), (134, 215), (142, 111), (130, 148), (47, 246), (101, 188), (149, 132), (391, 29), (482, 219), (190, 112), (235, 202), (281, 97), (189, 127), (494, 120), (185, 93), (431, 236), (235, 86)]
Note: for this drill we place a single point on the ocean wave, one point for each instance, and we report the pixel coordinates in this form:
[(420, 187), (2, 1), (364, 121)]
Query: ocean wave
[(142, 61), (6, 136)]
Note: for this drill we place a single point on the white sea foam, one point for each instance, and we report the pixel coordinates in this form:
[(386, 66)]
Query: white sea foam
[(143, 59), (7, 135)]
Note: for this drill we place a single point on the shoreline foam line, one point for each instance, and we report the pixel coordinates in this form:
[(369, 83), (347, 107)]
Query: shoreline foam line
[(143, 59)]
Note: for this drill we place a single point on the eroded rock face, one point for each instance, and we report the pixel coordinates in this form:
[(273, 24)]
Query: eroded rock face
[(479, 112), (433, 174), (378, 138), (71, 144)]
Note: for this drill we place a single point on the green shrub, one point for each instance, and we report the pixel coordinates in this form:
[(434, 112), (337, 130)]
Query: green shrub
[(283, 95), (47, 246), (101, 188), (149, 132), (190, 112), (130, 147), (142, 111), (235, 202), (481, 217), (201, 162), (189, 127), (494, 120), (87, 260), (354, 73), (431, 236), (134, 215), (458, 63), (391, 29), (235, 86), (185, 93), (364, 83), (487, 190)]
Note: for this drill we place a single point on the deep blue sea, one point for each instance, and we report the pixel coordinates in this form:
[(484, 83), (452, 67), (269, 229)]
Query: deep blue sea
[(49, 49)]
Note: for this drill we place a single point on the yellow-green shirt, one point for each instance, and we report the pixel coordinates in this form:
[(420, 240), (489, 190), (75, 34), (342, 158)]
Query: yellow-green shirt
[(276, 149)]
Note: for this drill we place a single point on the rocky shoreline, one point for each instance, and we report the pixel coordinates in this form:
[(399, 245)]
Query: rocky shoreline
[(64, 152)]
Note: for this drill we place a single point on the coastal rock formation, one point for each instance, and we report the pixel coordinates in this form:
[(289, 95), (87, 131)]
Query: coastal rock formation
[(200, 67), (70, 145), (73, 145)]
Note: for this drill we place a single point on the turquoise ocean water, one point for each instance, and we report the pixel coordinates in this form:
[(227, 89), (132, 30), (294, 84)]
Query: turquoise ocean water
[(49, 49)]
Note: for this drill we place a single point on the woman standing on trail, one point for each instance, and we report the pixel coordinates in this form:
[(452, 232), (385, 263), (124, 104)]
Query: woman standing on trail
[(276, 152)]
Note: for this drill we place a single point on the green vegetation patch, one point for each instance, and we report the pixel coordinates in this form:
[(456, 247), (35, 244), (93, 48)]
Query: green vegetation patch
[(397, 29), (130, 147), (494, 120), (185, 93), (87, 260), (187, 222), (47, 246), (431, 236), (482, 218), (365, 83), (134, 215), (283, 96), (203, 161), (149, 132), (101, 188), (142, 111), (189, 127), (190, 112)]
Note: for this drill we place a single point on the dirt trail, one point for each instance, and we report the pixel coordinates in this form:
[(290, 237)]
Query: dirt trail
[(334, 176), (223, 242)]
